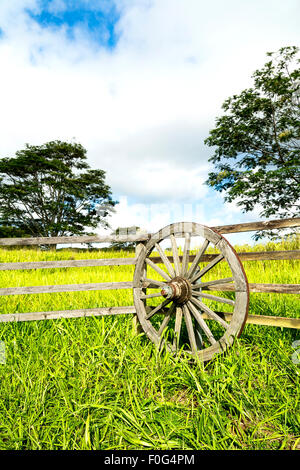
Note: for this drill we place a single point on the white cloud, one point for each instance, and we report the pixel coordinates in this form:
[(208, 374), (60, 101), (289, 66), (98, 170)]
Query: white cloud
[(143, 109)]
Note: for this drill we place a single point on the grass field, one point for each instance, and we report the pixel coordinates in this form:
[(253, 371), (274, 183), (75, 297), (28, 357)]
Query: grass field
[(92, 383)]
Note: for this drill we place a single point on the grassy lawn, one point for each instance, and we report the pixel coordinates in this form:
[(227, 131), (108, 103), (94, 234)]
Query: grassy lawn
[(92, 383)]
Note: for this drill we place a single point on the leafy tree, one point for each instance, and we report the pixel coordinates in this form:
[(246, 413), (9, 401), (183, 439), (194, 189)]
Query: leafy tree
[(123, 231), (50, 190), (257, 154)]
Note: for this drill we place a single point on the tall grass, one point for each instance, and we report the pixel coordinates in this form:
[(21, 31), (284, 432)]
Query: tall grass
[(92, 383)]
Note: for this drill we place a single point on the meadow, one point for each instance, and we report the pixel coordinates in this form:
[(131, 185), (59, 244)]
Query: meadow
[(93, 383)]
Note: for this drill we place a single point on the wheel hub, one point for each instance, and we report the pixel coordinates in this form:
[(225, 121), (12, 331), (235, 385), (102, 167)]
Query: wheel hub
[(179, 289)]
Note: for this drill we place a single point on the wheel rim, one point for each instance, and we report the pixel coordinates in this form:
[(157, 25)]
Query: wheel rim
[(180, 286)]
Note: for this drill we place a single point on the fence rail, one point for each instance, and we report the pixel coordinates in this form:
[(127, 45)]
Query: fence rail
[(140, 239), (236, 228), (263, 320), (253, 287), (251, 256)]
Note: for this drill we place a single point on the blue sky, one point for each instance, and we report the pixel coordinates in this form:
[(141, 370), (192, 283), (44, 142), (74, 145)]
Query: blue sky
[(96, 19), (139, 84)]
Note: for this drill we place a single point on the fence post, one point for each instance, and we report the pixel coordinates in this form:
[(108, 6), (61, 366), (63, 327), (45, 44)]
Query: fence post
[(139, 247)]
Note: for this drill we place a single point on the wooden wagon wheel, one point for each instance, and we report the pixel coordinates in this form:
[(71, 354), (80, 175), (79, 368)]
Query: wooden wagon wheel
[(184, 315)]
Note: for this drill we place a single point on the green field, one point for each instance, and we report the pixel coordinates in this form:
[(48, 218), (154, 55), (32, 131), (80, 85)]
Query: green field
[(92, 383)]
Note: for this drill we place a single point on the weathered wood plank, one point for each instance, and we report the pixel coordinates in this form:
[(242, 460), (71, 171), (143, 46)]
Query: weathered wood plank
[(269, 255), (86, 312), (235, 228), (73, 239), (253, 226), (247, 256), (255, 287), (68, 263), (139, 249), (65, 288), (283, 322)]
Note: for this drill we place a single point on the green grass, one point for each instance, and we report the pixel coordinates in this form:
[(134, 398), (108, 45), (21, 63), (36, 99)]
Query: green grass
[(92, 383)]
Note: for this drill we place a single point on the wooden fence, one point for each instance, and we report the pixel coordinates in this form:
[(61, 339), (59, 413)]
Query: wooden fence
[(140, 240)]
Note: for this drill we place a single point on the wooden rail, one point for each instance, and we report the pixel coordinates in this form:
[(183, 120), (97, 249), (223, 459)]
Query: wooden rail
[(74, 239), (250, 256), (65, 288), (141, 238), (48, 289), (282, 322), (255, 226), (247, 227), (55, 314), (68, 263)]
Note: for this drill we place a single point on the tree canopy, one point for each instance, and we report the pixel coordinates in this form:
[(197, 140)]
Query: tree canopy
[(123, 231), (256, 140), (50, 190)]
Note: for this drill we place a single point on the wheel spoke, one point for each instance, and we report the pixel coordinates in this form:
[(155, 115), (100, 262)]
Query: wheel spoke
[(157, 269), (185, 313), (156, 309), (198, 334), (190, 328), (217, 282), (202, 323), (150, 296), (213, 297), (197, 259), (175, 255), (209, 312), (177, 329), (166, 319), (186, 253), (207, 267), (152, 283), (165, 260)]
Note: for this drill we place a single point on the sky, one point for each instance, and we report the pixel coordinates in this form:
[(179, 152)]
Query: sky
[(139, 83)]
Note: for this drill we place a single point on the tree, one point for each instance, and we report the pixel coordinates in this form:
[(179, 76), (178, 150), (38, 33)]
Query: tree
[(50, 190), (257, 155), (123, 231)]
